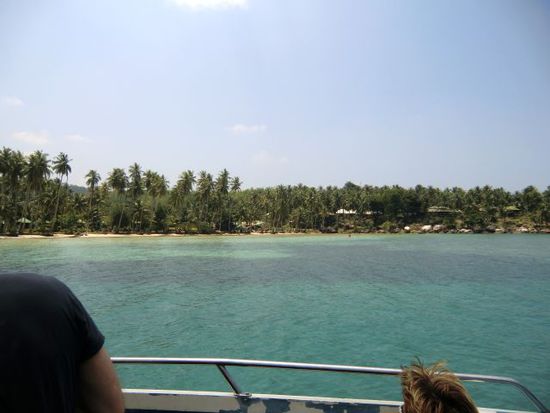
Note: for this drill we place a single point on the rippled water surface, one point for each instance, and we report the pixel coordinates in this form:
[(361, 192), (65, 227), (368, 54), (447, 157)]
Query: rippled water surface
[(480, 302)]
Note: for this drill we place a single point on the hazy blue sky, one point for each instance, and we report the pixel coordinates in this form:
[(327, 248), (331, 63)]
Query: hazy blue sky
[(439, 92)]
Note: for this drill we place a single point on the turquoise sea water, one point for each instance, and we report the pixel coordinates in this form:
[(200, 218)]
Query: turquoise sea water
[(479, 301)]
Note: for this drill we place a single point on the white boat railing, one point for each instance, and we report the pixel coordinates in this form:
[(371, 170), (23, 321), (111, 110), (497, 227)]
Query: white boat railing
[(223, 363)]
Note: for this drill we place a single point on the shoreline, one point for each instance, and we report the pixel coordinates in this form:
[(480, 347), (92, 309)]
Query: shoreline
[(251, 234), (112, 235)]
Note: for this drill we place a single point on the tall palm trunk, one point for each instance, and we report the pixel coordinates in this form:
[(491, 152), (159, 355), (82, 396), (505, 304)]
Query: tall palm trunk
[(90, 208), (230, 215), (120, 218), (121, 213), (25, 210), (221, 216), (57, 204), (12, 226)]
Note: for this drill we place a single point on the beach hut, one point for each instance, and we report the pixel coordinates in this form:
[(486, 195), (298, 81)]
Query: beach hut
[(23, 221)]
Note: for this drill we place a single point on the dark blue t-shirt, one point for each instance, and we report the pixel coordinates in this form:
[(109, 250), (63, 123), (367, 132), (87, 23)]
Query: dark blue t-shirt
[(45, 333)]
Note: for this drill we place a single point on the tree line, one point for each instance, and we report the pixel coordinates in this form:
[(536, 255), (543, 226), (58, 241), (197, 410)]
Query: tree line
[(35, 198)]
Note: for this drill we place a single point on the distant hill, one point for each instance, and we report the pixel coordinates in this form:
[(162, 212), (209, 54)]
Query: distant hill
[(78, 189)]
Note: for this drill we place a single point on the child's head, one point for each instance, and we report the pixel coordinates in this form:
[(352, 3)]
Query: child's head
[(434, 389)]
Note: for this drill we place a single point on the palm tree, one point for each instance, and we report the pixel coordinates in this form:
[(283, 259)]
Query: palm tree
[(187, 181), (159, 189), (5, 156), (78, 201), (280, 206), (37, 171), (92, 180), (62, 168), (222, 189), (12, 166), (118, 181), (160, 186), (183, 188), (156, 186), (180, 195), (235, 184), (148, 178), (204, 191), (137, 215), (135, 187)]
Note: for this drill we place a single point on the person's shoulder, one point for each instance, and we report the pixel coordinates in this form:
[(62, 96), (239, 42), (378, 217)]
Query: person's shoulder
[(26, 278), (29, 284)]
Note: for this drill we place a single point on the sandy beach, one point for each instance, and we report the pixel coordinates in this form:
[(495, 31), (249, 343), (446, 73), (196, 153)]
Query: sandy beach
[(112, 235), (227, 234)]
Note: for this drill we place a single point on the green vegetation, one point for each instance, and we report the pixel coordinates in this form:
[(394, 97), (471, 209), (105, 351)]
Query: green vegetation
[(35, 198)]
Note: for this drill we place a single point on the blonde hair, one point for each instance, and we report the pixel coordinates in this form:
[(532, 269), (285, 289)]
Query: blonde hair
[(434, 389)]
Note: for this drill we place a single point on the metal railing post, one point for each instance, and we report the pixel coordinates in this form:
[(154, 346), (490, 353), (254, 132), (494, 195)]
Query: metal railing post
[(231, 382)]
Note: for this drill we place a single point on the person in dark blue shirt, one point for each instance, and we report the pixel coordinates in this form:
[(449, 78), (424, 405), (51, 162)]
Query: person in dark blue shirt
[(52, 357)]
